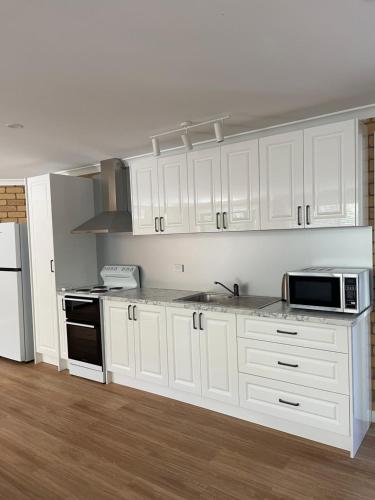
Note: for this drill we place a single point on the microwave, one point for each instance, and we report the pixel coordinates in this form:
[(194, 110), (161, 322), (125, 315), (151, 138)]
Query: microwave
[(329, 289)]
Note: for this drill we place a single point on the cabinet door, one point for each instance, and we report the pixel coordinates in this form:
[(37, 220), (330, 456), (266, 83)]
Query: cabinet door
[(150, 332), (330, 175), (204, 190), (173, 194), (219, 356), (145, 199), (119, 338), (183, 350), (43, 277), (281, 181), (62, 327), (240, 186)]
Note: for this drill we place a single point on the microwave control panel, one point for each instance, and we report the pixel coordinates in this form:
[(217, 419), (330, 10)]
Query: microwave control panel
[(350, 293)]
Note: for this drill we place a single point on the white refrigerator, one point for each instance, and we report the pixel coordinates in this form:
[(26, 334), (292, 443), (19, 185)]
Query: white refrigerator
[(16, 333)]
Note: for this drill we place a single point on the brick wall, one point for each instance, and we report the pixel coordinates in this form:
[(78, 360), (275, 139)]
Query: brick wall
[(371, 130), (12, 204)]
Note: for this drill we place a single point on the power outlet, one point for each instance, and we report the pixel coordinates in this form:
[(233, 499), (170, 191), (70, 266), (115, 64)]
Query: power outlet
[(178, 268)]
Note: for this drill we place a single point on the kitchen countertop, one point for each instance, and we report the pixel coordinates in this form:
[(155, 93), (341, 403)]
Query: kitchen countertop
[(237, 305)]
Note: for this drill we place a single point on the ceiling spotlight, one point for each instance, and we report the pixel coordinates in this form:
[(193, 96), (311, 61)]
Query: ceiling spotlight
[(14, 125), (186, 141), (219, 134), (155, 146)]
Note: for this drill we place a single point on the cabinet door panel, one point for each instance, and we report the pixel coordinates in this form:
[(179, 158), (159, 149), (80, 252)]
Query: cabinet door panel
[(183, 351), (204, 190), (281, 180), (150, 334), (330, 166), (219, 357), (145, 199), (43, 280), (119, 338), (240, 186), (173, 194)]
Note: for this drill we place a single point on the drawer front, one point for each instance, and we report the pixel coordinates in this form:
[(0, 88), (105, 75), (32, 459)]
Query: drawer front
[(318, 369), (324, 410), (314, 335)]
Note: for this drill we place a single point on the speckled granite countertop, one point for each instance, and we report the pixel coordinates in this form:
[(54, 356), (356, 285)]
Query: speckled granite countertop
[(238, 305)]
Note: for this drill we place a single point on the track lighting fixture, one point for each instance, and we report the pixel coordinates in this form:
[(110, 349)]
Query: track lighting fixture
[(183, 130), (155, 146), (186, 141), (219, 134)]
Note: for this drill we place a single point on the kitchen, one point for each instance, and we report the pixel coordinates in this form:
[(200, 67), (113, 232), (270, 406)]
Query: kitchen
[(226, 284)]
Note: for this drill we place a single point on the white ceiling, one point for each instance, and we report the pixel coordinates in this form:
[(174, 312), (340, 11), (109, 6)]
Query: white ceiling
[(92, 79)]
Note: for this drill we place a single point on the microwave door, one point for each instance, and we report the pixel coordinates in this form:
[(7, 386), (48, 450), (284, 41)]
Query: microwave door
[(319, 291)]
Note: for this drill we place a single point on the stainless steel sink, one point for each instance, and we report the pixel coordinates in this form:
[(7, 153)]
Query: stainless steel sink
[(206, 297)]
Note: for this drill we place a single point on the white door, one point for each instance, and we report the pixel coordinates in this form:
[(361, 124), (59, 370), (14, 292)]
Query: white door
[(42, 267), (183, 350), (173, 194), (10, 256), (240, 186), (119, 338), (12, 339), (330, 175), (150, 334), (281, 181), (205, 190), (219, 356), (145, 199)]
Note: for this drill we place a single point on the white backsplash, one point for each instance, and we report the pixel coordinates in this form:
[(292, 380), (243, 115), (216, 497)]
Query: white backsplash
[(256, 260)]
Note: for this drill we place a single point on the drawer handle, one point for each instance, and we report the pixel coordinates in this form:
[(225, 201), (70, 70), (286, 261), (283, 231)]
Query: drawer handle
[(287, 364), (287, 333), (288, 402), (129, 309), (194, 322)]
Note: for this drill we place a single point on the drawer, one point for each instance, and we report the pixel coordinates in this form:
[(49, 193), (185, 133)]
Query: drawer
[(310, 367), (325, 410), (304, 334)]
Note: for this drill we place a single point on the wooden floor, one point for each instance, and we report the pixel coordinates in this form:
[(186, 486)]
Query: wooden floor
[(66, 438)]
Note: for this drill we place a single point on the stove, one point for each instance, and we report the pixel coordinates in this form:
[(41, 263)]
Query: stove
[(83, 319)]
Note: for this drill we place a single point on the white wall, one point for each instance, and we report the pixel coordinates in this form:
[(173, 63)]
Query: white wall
[(254, 259)]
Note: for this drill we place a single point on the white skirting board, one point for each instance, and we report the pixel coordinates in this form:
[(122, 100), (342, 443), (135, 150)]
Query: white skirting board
[(373, 416)]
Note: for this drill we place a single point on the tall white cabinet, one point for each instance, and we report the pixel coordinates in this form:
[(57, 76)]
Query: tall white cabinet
[(56, 205)]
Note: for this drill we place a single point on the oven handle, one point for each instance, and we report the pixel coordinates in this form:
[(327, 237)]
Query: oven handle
[(89, 301), (79, 324)]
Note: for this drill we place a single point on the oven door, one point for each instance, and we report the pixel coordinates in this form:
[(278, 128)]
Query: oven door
[(84, 342), (315, 291), (82, 309)]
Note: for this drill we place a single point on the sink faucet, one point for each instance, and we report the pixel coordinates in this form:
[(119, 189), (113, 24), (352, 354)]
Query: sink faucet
[(235, 292)]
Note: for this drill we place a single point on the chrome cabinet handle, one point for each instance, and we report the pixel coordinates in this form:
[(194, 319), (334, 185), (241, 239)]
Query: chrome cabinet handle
[(156, 224), (200, 321), (287, 402), (129, 309), (281, 363), (299, 213), (52, 265), (134, 317), (79, 324), (161, 224), (287, 333), (218, 220), (225, 220), (308, 222), (194, 322)]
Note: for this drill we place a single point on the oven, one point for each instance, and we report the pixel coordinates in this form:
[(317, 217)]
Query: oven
[(84, 336)]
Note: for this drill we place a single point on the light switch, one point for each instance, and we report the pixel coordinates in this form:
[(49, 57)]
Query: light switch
[(179, 268)]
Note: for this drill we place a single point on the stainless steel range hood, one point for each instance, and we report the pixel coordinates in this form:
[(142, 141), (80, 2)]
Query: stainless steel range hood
[(115, 216)]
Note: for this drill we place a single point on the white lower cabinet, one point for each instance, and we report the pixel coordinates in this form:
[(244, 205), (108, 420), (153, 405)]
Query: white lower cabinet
[(136, 341), (62, 332)]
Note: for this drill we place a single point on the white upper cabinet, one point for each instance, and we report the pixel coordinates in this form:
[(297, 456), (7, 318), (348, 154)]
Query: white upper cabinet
[(281, 181), (173, 194), (240, 186), (145, 198), (330, 175), (205, 190)]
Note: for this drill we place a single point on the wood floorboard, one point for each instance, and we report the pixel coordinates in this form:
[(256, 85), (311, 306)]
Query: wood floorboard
[(62, 437)]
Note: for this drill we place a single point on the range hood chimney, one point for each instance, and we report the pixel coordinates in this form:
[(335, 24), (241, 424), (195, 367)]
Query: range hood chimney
[(116, 215)]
